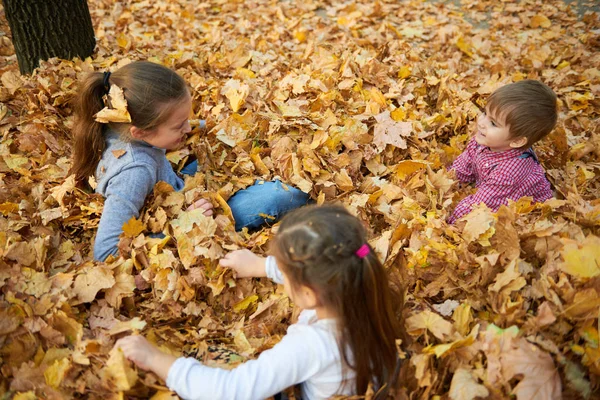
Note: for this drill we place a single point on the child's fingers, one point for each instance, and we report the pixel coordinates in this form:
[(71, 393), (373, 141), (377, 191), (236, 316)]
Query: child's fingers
[(202, 203), (226, 261)]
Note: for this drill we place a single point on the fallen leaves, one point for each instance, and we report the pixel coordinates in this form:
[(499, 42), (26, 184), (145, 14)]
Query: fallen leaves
[(366, 104)]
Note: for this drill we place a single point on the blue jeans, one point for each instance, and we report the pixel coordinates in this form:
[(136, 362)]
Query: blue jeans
[(260, 203)]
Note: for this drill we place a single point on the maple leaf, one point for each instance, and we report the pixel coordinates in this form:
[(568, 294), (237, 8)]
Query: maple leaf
[(581, 259), (480, 225), (388, 131), (123, 287), (427, 320), (117, 112), (59, 192), (465, 387), (540, 378), (133, 227), (90, 281)]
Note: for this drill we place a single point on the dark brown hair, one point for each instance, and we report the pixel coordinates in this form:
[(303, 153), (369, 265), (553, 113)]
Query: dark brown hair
[(152, 92), (528, 107), (316, 246)]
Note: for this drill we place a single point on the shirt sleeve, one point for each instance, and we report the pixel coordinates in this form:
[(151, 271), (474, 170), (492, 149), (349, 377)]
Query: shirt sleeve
[(464, 165), (125, 195), (293, 360), (272, 270)]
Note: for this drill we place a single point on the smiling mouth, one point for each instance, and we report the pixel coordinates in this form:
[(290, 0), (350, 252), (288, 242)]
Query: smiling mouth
[(480, 134)]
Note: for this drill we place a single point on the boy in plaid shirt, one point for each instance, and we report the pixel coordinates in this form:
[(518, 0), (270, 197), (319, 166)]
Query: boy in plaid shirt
[(499, 158)]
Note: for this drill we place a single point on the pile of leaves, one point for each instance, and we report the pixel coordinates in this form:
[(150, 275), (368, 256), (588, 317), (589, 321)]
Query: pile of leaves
[(361, 102)]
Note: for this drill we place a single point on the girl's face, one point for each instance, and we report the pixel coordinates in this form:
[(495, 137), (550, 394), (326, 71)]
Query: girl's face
[(171, 134)]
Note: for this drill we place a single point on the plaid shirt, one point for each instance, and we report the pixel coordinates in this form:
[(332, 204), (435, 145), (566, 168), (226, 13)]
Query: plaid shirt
[(499, 177)]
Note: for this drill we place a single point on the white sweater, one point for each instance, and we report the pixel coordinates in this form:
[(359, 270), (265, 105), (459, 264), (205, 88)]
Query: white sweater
[(307, 355)]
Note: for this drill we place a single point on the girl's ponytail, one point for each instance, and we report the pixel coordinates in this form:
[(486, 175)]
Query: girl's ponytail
[(370, 325), (88, 134)]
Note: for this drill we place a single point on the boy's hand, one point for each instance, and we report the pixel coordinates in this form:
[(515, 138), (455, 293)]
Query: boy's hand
[(204, 204), (145, 355), (245, 263)]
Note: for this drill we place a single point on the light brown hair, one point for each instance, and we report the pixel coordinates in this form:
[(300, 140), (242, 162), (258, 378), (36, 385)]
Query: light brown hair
[(316, 246), (528, 107), (152, 92)]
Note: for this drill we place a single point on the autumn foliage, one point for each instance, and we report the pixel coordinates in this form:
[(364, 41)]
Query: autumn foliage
[(365, 103)]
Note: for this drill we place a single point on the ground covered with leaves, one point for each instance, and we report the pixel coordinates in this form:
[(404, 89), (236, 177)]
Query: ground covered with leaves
[(365, 103)]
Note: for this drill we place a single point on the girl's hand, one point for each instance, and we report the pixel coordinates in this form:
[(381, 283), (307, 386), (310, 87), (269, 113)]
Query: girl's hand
[(145, 355), (245, 263), (204, 204)]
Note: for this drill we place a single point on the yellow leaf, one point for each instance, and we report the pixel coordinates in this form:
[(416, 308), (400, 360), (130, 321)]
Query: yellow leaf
[(244, 304), (406, 167), (122, 40), (8, 207), (133, 227), (117, 112), (464, 46), (25, 396), (462, 318), (300, 36), (118, 371), (581, 259), (427, 320), (398, 114), (540, 20), (55, 373), (404, 72), (164, 395)]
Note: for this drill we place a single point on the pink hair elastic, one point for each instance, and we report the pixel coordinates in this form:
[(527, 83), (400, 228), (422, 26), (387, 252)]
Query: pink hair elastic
[(363, 251)]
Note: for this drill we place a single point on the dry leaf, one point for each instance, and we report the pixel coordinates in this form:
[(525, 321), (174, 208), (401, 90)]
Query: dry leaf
[(117, 111)]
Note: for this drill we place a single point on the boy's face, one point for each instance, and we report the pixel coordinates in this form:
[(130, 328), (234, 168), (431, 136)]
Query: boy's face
[(493, 132)]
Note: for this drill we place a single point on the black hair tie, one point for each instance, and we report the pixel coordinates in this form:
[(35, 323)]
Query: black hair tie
[(105, 81)]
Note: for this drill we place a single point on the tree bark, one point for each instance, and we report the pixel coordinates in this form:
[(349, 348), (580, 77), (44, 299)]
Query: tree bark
[(42, 29)]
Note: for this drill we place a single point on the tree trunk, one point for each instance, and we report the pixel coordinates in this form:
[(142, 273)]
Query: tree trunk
[(42, 29)]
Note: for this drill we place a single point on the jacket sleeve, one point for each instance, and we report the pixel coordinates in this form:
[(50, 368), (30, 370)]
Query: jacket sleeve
[(125, 195)]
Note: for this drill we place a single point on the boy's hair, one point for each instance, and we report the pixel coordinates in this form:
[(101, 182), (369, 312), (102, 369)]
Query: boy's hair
[(316, 246), (152, 92), (529, 109)]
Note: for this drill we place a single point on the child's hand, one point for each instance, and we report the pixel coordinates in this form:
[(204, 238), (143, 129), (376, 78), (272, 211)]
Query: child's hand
[(145, 355), (204, 204), (245, 263)]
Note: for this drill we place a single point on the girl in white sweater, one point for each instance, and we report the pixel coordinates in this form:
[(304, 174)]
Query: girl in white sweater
[(344, 338)]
